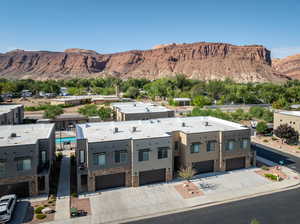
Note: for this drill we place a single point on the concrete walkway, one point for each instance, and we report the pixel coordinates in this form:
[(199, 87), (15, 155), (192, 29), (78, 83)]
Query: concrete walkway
[(63, 192)]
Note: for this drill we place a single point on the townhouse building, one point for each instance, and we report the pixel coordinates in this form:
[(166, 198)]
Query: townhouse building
[(26, 155), (134, 153), (140, 111), (11, 114)]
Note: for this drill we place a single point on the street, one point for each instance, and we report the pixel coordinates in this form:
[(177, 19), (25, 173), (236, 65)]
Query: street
[(277, 208)]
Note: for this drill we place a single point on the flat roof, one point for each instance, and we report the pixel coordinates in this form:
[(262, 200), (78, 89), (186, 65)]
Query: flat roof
[(8, 107), (26, 134), (105, 131), (291, 113), (139, 107)]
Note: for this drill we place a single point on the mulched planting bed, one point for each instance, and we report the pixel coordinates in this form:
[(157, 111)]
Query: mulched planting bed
[(31, 216), (188, 190), (274, 171)]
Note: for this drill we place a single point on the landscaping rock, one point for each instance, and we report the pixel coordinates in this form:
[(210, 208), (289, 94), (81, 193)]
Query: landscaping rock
[(47, 210)]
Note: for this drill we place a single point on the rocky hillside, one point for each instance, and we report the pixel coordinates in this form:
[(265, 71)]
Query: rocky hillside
[(202, 60), (289, 66)]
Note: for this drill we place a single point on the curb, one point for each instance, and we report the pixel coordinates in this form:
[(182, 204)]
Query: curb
[(137, 218)]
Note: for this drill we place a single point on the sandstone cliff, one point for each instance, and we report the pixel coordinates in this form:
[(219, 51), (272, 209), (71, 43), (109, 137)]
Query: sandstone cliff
[(289, 66), (202, 60)]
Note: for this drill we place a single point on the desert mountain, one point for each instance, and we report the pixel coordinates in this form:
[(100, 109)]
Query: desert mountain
[(289, 66), (201, 60)]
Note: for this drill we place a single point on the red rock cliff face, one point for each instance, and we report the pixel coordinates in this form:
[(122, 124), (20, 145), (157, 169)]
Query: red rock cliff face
[(289, 66), (203, 61)]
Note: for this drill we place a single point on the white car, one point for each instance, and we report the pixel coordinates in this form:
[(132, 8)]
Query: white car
[(7, 206)]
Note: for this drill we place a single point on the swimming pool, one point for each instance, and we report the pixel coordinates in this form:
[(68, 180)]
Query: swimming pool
[(66, 139)]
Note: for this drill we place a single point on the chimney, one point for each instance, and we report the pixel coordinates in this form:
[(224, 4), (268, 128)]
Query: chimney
[(133, 129), (13, 135), (183, 124), (116, 130), (206, 123)]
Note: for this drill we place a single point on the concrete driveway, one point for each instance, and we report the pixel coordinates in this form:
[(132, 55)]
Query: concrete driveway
[(125, 203)]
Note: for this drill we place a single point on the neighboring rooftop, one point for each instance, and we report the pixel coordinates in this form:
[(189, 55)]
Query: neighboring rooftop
[(139, 107), (8, 107), (292, 113), (110, 131), (25, 134), (182, 99)]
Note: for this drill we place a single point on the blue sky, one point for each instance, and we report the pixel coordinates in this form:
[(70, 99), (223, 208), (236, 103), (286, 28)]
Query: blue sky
[(119, 25)]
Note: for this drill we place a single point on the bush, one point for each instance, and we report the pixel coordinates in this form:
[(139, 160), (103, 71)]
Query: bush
[(265, 140), (286, 132), (39, 209), (261, 127), (41, 216), (265, 167), (59, 156), (274, 138), (52, 111), (271, 176), (74, 195)]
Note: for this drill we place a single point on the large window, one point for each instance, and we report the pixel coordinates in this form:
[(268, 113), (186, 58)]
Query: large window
[(245, 143), (144, 154), (2, 168), (211, 146), (121, 156), (230, 144), (99, 159), (195, 148), (23, 164), (162, 153), (81, 156), (43, 156)]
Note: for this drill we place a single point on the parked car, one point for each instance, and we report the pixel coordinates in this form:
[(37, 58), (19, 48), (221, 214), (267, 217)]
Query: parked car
[(7, 206)]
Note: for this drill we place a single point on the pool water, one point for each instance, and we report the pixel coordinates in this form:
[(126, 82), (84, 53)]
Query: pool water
[(66, 139)]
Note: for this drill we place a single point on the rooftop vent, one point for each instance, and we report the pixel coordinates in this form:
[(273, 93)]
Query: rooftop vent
[(183, 124), (147, 109), (134, 105), (133, 129), (116, 130), (13, 135), (206, 123)]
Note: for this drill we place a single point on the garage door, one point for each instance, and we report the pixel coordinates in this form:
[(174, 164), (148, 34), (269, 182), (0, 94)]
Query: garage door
[(204, 166), (152, 176), (110, 181), (235, 164), (20, 189)]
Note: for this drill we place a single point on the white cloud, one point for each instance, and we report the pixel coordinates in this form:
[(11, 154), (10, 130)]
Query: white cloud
[(282, 52)]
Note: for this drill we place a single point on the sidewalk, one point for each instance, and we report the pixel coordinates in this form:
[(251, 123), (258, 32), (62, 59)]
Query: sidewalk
[(63, 192)]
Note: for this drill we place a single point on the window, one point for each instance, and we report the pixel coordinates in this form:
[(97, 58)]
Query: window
[(121, 156), (99, 159), (81, 156), (230, 145), (211, 146), (176, 146), (195, 148), (144, 154), (23, 164), (2, 168), (43, 156), (244, 143), (162, 153)]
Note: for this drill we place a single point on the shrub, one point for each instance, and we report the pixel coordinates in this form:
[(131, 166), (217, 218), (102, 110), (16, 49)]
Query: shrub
[(265, 140), (254, 221), (261, 127), (59, 156), (41, 216), (271, 176), (274, 139), (265, 167), (286, 132), (74, 195), (39, 209)]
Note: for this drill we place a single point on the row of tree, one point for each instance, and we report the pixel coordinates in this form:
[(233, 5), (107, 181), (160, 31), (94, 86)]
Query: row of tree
[(202, 92)]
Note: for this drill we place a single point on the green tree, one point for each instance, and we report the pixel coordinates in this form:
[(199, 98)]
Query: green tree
[(104, 113), (257, 111), (254, 221), (52, 111), (89, 110), (132, 92), (287, 133), (201, 101), (261, 127)]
